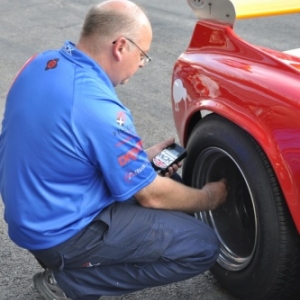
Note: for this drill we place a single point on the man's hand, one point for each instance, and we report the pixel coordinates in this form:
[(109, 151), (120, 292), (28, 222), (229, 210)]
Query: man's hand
[(216, 192), (154, 150), (173, 169)]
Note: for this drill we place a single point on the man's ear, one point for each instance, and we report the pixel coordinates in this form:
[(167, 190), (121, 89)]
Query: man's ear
[(119, 48)]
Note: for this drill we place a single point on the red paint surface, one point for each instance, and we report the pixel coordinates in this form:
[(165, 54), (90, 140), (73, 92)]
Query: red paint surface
[(256, 88)]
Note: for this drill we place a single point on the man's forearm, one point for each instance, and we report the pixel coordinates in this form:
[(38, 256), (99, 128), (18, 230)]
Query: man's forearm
[(165, 193)]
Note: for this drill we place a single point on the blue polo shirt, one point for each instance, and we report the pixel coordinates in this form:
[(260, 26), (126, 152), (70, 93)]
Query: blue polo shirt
[(68, 149)]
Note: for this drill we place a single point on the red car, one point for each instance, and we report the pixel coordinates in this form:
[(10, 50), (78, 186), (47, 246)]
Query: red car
[(236, 108)]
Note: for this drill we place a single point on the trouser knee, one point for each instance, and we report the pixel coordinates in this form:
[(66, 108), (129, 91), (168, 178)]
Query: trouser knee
[(203, 249)]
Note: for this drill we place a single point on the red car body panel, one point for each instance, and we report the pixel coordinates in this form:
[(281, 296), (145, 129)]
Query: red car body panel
[(256, 88)]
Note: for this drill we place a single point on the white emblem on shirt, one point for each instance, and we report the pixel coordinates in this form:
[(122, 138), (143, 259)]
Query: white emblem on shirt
[(68, 48), (120, 121)]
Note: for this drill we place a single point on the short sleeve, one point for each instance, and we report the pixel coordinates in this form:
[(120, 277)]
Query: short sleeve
[(105, 131)]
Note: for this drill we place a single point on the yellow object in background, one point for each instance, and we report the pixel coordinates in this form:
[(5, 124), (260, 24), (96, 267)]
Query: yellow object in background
[(260, 8)]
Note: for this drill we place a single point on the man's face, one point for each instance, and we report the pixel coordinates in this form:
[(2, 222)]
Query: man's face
[(135, 56)]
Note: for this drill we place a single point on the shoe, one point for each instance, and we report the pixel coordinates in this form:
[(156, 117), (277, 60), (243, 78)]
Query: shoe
[(47, 287)]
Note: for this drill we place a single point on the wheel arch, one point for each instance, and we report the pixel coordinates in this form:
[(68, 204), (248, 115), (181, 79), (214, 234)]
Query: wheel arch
[(269, 143)]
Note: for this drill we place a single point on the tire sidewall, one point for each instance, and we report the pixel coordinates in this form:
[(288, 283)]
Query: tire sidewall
[(218, 132)]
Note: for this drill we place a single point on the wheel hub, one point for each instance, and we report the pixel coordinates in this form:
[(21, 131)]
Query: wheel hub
[(234, 222)]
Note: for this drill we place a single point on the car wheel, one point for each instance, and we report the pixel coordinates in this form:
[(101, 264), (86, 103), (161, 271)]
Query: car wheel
[(259, 245)]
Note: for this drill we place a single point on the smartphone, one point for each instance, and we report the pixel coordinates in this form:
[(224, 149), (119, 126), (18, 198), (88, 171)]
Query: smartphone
[(169, 156)]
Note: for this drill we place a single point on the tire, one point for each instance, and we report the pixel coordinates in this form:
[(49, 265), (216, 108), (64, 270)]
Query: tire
[(259, 245)]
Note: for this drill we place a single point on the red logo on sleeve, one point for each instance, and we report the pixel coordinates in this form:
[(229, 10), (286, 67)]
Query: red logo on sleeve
[(52, 64), (131, 155)]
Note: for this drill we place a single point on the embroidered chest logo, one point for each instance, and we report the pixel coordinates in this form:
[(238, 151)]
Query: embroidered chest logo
[(51, 64)]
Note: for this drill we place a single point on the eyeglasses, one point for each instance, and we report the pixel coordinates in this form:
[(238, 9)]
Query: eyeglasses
[(144, 57)]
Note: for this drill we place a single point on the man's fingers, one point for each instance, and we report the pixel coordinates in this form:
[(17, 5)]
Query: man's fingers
[(226, 183)]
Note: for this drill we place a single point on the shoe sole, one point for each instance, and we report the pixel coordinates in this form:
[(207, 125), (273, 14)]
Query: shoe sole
[(43, 289)]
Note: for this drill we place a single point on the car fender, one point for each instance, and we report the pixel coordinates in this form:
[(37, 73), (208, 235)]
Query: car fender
[(255, 88)]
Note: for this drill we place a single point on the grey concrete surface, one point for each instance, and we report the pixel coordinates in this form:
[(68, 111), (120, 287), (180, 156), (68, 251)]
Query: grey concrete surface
[(28, 27)]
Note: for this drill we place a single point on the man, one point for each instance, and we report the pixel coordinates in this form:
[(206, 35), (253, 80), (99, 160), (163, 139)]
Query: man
[(78, 188)]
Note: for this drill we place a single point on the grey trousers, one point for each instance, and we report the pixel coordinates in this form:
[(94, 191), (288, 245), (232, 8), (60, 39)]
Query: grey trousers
[(128, 248)]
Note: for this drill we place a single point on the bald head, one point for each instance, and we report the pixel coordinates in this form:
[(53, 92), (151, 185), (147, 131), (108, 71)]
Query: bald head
[(116, 34), (114, 18)]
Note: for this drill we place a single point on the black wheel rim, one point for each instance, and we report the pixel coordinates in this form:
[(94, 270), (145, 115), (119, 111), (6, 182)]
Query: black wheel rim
[(235, 222)]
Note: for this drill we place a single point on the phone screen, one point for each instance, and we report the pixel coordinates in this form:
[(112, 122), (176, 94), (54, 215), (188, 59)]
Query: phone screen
[(168, 156), (165, 158)]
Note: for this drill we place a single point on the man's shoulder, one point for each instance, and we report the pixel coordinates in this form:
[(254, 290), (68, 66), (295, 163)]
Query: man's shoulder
[(92, 84)]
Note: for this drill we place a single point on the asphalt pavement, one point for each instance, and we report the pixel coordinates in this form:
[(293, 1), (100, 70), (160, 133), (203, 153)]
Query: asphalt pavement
[(28, 27)]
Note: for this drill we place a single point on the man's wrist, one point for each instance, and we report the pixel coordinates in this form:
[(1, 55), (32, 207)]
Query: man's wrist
[(208, 203)]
